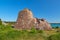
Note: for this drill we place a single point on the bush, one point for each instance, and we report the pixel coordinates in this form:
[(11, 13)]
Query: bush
[(33, 30), (57, 27), (0, 22)]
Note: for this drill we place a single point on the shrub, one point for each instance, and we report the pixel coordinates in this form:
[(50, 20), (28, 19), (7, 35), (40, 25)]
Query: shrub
[(57, 26), (33, 30), (0, 22)]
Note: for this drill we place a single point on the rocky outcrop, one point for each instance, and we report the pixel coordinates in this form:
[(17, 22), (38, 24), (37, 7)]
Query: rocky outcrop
[(27, 21)]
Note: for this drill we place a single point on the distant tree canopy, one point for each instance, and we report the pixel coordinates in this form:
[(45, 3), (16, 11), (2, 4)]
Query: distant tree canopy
[(0, 22)]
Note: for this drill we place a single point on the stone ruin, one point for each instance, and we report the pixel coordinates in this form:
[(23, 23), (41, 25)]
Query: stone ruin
[(26, 20)]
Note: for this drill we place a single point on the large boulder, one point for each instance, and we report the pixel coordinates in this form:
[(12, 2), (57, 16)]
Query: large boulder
[(42, 24), (26, 20)]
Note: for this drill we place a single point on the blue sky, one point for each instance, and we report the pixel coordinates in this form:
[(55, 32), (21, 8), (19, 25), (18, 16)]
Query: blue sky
[(47, 9)]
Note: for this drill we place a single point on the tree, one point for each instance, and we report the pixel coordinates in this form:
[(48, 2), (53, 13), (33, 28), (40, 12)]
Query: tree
[(0, 22)]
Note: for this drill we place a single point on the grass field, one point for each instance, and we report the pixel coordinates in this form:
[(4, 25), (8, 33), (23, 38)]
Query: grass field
[(9, 33)]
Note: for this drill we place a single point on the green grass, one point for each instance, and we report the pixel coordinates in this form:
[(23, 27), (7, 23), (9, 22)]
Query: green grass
[(54, 37), (9, 33)]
